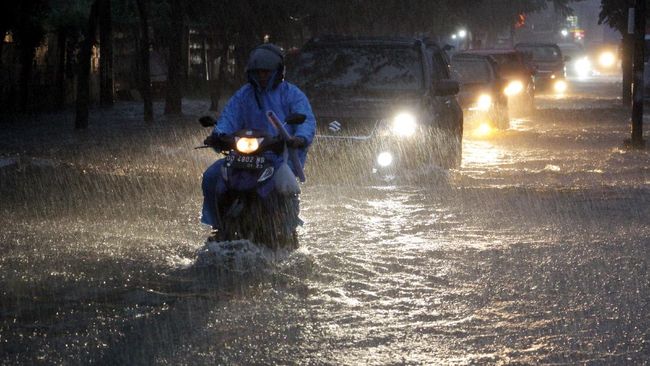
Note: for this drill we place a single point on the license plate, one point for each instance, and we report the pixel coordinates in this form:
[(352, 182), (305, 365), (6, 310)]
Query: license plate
[(245, 162)]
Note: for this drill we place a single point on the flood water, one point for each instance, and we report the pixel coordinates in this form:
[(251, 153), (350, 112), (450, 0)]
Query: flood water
[(535, 251)]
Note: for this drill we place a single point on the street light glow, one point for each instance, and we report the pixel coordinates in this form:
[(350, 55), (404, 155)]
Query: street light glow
[(462, 33)]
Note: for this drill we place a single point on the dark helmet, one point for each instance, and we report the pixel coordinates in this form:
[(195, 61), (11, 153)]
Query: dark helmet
[(267, 57)]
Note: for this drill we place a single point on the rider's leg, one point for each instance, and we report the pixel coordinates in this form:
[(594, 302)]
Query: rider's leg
[(213, 186)]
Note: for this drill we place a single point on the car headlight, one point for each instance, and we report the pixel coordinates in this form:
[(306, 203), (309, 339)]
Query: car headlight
[(484, 130), (560, 86), (404, 124), (385, 159), (247, 145), (607, 59), (582, 67), (513, 88), (483, 103)]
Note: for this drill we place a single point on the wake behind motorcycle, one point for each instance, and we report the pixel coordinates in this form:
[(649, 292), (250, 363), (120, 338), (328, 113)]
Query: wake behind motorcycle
[(260, 203)]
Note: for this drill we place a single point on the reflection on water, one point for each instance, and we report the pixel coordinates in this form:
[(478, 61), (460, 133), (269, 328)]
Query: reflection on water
[(481, 154), (535, 251), (483, 130)]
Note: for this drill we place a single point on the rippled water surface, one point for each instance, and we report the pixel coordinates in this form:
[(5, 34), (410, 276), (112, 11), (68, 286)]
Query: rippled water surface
[(534, 252)]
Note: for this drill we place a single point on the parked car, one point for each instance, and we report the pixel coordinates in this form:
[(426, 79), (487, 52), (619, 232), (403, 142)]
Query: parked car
[(550, 71), (517, 71), (391, 100), (481, 96)]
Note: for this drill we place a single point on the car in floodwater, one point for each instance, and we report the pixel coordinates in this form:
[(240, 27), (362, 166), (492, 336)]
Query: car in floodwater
[(579, 62), (391, 100), (481, 93), (518, 73), (549, 64)]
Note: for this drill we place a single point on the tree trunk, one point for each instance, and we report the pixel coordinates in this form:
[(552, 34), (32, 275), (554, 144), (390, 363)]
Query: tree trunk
[(185, 55), (3, 31), (174, 94), (83, 78), (62, 37), (216, 83), (106, 83), (4, 103), (245, 44), (27, 52), (626, 63), (145, 77), (637, 94)]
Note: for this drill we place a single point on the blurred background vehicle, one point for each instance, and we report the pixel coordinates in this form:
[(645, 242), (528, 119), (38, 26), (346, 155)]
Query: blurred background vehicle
[(518, 73), (481, 95), (578, 63), (549, 64)]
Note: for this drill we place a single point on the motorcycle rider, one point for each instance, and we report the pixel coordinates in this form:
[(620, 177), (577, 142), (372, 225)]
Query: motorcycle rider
[(266, 90)]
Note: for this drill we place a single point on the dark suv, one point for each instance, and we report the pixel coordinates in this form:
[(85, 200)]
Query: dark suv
[(390, 99)]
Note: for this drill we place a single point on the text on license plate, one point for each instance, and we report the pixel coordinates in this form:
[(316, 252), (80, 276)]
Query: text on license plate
[(246, 162)]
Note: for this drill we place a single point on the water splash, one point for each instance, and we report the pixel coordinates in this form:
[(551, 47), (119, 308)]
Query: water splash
[(238, 256)]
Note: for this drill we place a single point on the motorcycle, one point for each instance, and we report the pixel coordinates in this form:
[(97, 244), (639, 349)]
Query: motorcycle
[(261, 200)]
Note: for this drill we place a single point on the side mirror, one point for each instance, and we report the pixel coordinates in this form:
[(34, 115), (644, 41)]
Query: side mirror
[(207, 121), (446, 87), (295, 118), (567, 58)]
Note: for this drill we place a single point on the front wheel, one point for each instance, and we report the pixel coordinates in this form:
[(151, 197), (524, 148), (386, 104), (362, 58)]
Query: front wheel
[(449, 148), (269, 221), (500, 117)]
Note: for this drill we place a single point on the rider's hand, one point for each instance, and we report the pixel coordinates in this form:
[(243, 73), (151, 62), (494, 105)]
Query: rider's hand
[(296, 142), (210, 140)]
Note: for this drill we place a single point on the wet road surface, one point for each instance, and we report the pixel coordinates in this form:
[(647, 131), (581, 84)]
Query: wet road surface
[(536, 251)]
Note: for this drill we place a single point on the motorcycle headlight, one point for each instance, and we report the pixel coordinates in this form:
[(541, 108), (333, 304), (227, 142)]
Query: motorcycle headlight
[(484, 102), (404, 124), (513, 88), (247, 145)]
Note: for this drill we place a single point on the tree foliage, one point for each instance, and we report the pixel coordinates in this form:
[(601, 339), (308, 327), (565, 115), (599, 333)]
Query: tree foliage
[(233, 27), (614, 13)]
